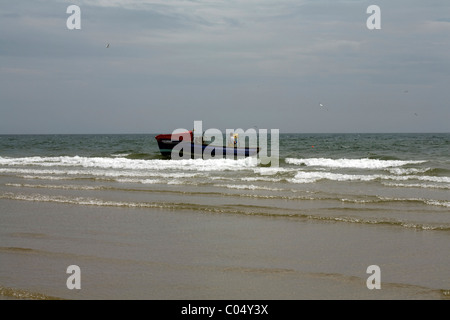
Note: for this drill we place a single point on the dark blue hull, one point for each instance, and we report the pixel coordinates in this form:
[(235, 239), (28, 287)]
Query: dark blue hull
[(204, 151)]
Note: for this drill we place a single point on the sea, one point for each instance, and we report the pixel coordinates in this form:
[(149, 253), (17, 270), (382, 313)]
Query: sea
[(140, 226)]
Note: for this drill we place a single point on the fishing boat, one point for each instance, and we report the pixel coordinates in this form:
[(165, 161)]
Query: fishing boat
[(199, 149)]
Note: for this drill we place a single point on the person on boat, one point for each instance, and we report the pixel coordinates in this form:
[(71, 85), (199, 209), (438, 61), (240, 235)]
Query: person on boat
[(231, 140)]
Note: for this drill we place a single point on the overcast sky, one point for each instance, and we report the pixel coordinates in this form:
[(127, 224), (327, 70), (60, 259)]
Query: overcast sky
[(230, 63)]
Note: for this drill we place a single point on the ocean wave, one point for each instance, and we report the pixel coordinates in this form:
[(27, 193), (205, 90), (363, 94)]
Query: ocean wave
[(363, 163), (416, 185), (132, 205), (438, 203), (143, 181), (58, 174), (120, 155), (380, 199), (406, 171), (314, 176), (388, 222), (260, 179), (41, 177), (248, 210), (433, 202), (246, 187), (132, 164), (81, 201), (295, 176), (62, 187), (284, 196), (270, 171)]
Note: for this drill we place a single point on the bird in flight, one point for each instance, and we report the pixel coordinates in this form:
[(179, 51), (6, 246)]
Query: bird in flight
[(322, 106), (107, 45)]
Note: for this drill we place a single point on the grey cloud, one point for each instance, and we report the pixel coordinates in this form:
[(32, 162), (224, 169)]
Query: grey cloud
[(255, 62)]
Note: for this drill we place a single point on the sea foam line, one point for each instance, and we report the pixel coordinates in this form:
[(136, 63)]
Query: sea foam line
[(79, 201), (401, 171), (133, 164), (433, 202), (103, 172), (363, 163), (416, 185), (314, 176), (246, 187), (144, 205), (142, 176), (213, 209), (48, 186)]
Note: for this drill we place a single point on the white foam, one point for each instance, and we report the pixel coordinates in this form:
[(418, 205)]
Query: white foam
[(133, 164), (77, 200), (310, 177), (402, 171), (438, 203), (47, 186), (416, 185), (32, 173), (120, 155), (31, 177), (261, 179), (363, 163), (177, 182), (432, 202), (313, 176), (433, 179), (268, 171), (421, 178), (143, 181), (246, 187)]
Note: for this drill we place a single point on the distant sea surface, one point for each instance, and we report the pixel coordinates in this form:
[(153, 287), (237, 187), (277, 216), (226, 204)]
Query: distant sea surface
[(222, 228)]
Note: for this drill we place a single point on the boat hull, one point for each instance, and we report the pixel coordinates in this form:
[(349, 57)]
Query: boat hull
[(204, 151)]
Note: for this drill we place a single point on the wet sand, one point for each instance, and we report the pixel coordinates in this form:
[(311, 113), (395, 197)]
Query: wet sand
[(130, 253)]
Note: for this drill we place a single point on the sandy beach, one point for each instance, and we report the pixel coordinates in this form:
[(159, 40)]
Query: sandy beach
[(128, 253)]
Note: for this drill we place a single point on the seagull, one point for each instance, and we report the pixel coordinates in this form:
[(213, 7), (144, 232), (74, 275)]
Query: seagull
[(107, 45), (321, 105)]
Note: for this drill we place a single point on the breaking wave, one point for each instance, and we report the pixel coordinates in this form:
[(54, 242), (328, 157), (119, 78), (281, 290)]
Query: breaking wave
[(240, 210), (314, 176), (132, 164), (364, 163)]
